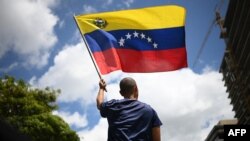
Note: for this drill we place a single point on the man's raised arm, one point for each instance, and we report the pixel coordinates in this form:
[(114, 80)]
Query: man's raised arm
[(100, 95)]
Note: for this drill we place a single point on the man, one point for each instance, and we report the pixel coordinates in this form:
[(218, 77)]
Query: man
[(128, 118)]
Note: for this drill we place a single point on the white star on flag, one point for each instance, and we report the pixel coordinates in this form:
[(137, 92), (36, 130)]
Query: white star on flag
[(128, 36), (136, 34), (142, 36), (155, 45), (149, 39), (121, 42)]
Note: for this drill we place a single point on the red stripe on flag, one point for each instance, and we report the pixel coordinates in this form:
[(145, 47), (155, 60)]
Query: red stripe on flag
[(129, 60)]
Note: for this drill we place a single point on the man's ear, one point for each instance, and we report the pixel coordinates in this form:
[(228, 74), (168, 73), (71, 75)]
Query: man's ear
[(136, 89), (136, 92)]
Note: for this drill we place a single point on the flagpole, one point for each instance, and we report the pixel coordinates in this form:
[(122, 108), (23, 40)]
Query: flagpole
[(86, 43)]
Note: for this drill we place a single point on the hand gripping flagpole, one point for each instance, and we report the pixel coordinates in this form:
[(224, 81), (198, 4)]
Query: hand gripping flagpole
[(89, 51)]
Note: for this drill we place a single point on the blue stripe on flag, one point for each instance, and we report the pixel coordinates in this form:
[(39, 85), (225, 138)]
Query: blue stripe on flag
[(156, 39)]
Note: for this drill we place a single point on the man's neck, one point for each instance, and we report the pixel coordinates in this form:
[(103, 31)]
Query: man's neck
[(131, 97)]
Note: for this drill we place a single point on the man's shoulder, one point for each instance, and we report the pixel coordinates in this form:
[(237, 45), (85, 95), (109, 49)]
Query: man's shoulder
[(127, 103), (114, 102), (110, 102), (145, 105)]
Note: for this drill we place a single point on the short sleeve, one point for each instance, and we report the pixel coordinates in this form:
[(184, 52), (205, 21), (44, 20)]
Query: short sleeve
[(105, 108), (156, 120)]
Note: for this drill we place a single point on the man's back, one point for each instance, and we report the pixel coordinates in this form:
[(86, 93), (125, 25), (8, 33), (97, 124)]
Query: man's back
[(129, 120)]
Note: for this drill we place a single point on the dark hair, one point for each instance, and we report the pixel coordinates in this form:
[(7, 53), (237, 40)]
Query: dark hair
[(127, 86)]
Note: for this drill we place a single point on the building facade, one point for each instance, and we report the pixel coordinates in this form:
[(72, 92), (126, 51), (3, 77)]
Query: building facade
[(217, 133), (235, 65)]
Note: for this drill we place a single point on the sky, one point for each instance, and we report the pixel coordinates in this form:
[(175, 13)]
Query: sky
[(40, 43)]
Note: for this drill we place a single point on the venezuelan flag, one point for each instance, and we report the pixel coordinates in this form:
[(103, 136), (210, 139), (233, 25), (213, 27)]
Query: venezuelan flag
[(140, 40)]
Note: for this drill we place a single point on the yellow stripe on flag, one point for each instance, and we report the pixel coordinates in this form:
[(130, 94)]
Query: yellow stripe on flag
[(145, 18)]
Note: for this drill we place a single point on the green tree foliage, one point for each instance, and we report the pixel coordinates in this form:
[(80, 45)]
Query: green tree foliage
[(30, 110)]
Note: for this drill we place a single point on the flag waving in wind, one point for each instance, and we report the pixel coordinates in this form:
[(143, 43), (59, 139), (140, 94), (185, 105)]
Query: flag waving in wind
[(140, 40)]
